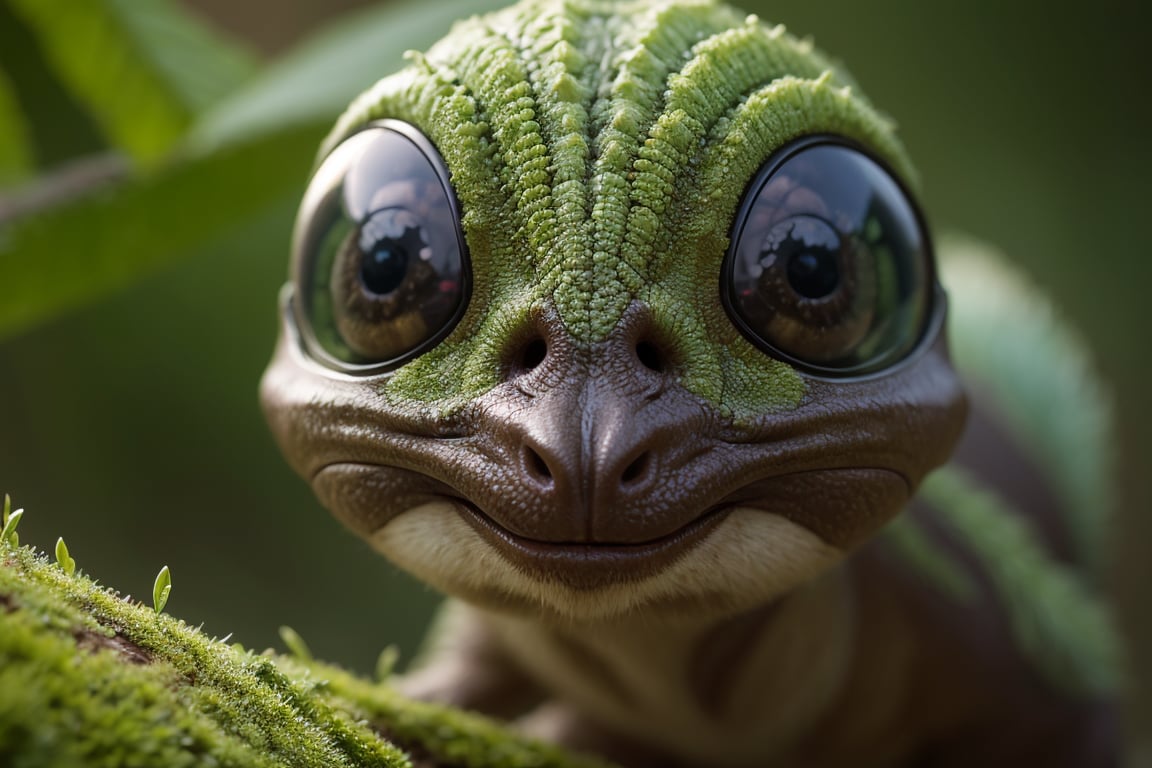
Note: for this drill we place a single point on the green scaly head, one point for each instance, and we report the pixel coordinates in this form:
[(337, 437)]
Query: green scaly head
[(585, 349)]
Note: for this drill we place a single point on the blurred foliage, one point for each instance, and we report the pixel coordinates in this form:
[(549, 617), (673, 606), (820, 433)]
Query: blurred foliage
[(181, 154), (142, 70), (207, 152), (150, 168)]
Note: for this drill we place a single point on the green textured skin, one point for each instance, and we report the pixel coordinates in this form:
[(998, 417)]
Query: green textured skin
[(594, 172)]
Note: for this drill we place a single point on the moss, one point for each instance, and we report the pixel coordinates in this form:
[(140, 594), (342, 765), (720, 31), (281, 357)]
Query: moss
[(88, 678)]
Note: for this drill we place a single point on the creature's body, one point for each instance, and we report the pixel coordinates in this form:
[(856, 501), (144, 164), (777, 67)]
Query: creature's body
[(623, 328)]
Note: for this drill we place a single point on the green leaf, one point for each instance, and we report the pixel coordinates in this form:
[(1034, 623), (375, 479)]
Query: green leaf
[(7, 509), (313, 84), (59, 128), (63, 558), (144, 68), (16, 160), (161, 589), (196, 61), (88, 247), (8, 534)]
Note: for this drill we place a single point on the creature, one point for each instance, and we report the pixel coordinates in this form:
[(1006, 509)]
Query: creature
[(619, 324)]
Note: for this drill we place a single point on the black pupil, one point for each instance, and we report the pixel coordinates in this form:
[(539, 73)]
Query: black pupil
[(806, 249), (385, 263), (812, 271)]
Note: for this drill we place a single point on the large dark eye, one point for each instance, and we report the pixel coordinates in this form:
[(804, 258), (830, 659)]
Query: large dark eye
[(829, 266), (379, 261)]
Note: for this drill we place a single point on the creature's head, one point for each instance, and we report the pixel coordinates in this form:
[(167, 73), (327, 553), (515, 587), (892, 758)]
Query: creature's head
[(602, 305)]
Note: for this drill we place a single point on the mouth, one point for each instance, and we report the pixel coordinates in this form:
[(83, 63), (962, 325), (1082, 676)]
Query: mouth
[(583, 565), (839, 506)]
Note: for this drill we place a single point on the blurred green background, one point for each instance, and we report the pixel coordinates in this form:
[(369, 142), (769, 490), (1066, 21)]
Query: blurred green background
[(130, 426)]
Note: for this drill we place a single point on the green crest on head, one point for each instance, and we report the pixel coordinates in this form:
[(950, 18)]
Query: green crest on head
[(599, 151)]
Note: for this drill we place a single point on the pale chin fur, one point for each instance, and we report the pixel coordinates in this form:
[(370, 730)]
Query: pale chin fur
[(751, 558)]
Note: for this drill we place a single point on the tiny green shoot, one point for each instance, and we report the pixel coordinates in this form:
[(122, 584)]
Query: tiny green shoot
[(67, 563), (386, 663), (8, 534), (4, 522), (295, 644), (161, 589)]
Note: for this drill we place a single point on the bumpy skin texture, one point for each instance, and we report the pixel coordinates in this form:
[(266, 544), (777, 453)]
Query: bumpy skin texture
[(648, 522)]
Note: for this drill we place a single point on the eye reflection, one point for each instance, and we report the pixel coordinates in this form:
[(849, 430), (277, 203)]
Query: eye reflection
[(807, 249), (829, 266), (389, 240), (379, 260)]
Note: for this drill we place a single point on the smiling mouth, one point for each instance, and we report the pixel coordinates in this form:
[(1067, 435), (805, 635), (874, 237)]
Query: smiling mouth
[(589, 565), (841, 506)]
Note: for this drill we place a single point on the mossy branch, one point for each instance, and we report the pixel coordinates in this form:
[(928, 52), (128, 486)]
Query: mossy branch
[(89, 678)]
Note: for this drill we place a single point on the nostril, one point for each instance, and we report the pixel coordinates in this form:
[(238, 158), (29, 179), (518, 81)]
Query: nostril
[(650, 356), (635, 471), (536, 467), (532, 354), (524, 356)]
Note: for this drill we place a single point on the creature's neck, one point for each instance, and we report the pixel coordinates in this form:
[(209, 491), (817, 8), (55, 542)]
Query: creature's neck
[(750, 686)]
